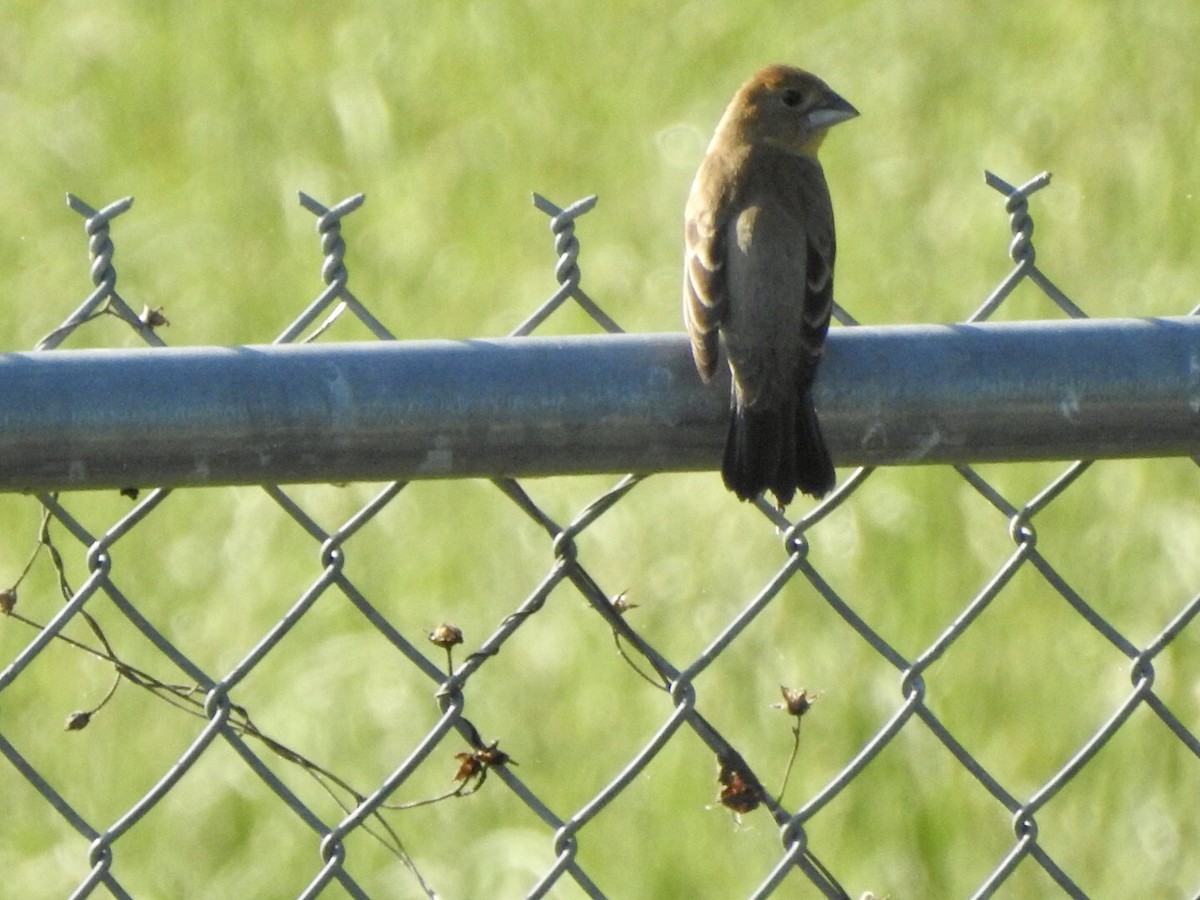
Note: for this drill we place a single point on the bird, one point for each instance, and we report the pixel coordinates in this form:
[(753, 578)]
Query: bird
[(759, 250)]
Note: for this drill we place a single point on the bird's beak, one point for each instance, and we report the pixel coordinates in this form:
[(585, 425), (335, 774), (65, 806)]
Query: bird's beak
[(833, 109)]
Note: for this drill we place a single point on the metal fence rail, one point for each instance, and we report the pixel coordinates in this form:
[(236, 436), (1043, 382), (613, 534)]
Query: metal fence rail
[(555, 406), (509, 408)]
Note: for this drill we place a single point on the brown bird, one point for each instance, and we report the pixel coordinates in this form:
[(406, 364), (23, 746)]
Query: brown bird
[(758, 277)]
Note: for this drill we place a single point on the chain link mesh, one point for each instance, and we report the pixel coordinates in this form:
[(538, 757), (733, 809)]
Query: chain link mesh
[(111, 613)]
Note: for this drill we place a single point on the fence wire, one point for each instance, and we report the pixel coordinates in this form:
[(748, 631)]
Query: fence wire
[(463, 738)]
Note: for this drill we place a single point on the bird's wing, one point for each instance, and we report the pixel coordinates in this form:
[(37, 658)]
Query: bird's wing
[(818, 296), (821, 248), (706, 298)]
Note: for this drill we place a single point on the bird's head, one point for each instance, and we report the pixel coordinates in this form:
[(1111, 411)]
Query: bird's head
[(788, 108)]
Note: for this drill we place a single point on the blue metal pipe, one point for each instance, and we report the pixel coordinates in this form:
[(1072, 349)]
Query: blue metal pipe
[(534, 406)]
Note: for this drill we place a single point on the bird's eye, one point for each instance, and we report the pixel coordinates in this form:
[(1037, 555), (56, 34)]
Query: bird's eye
[(792, 97)]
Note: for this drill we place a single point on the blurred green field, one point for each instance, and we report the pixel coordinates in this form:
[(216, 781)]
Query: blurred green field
[(212, 116)]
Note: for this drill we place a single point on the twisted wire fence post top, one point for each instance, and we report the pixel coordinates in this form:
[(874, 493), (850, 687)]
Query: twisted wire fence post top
[(1021, 249), (104, 299), (99, 245), (567, 676), (566, 269), (334, 273)]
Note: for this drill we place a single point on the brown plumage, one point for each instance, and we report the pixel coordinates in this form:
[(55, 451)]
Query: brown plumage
[(758, 277)]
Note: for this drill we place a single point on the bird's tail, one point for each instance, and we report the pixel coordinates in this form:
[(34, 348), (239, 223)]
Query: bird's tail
[(778, 449)]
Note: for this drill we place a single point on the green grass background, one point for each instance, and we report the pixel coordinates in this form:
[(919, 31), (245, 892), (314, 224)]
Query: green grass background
[(447, 116)]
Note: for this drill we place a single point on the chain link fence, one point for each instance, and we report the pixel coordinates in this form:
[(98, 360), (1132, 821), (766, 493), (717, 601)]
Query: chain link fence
[(921, 729)]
